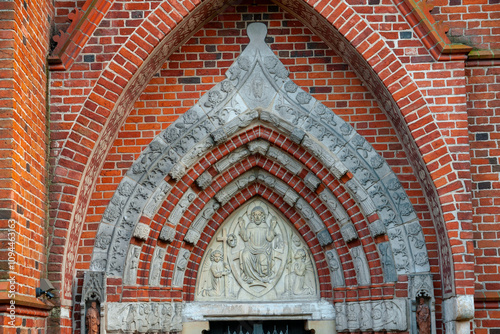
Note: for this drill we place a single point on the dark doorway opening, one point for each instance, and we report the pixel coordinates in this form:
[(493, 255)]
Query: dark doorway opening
[(258, 327)]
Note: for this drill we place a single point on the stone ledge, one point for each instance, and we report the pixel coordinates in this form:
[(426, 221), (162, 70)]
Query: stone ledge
[(316, 310)]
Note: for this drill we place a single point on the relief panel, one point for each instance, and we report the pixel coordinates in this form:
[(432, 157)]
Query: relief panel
[(257, 255)]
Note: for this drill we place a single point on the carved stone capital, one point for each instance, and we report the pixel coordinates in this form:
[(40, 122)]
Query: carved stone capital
[(167, 234), (141, 231)]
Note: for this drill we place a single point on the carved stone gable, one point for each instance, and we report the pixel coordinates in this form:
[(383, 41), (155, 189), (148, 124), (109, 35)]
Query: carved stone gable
[(257, 255)]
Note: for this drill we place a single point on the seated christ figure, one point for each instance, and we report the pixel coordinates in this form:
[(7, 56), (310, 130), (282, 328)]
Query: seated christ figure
[(256, 259)]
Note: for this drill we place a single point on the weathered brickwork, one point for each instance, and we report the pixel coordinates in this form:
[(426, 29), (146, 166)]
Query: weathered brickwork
[(474, 23), (483, 104), (24, 44), (121, 72), (195, 68)]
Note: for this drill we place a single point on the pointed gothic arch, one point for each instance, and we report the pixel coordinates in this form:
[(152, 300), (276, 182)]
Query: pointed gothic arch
[(257, 99), (102, 145)]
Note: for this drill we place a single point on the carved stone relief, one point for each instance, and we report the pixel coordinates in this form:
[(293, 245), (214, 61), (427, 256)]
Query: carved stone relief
[(257, 91), (280, 187), (141, 231), (101, 245), (324, 237), (240, 122), (132, 263), (140, 317), (273, 182), (231, 106), (285, 160), (259, 146), (167, 234), (348, 232), (156, 199), (310, 216), (384, 315), (311, 181), (365, 202), (420, 285), (117, 204), (194, 232), (360, 265), (336, 271), (387, 260), (204, 180), (94, 286), (198, 151), (334, 206), (231, 159), (377, 228), (417, 246), (156, 266), (226, 193), (400, 250), (257, 255), (180, 267), (181, 207), (297, 135)]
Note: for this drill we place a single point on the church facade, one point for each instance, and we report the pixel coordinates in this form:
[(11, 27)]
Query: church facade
[(250, 167)]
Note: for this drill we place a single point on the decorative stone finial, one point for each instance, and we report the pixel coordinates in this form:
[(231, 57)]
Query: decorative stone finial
[(256, 32)]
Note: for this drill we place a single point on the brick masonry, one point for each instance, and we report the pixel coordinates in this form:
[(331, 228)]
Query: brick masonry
[(450, 106), (24, 137)]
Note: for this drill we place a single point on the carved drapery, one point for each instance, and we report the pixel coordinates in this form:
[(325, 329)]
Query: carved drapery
[(257, 255)]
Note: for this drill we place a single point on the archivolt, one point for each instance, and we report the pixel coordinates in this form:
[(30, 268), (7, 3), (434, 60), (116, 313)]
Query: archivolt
[(219, 132)]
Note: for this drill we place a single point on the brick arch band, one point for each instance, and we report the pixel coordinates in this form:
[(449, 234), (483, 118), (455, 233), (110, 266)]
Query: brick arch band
[(123, 81), (228, 186), (303, 133)]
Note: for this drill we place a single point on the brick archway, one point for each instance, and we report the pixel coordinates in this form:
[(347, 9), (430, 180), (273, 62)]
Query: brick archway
[(100, 104)]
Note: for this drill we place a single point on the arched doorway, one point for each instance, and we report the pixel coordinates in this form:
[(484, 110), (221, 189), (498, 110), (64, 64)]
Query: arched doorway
[(256, 137)]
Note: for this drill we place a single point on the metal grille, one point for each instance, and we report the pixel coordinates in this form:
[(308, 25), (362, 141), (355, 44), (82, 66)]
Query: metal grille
[(257, 327)]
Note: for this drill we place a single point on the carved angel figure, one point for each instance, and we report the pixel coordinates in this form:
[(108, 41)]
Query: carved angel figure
[(300, 284), (213, 284)]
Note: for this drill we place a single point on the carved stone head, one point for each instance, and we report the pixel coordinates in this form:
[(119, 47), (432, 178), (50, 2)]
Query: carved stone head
[(258, 215)]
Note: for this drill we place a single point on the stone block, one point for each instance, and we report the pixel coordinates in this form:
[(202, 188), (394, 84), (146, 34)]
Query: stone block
[(141, 231)]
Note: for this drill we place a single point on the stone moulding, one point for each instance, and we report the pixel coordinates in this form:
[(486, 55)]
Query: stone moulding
[(201, 311), (257, 90)]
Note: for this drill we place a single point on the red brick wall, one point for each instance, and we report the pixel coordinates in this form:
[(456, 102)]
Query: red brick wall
[(24, 42), (472, 22), (484, 127), (201, 62), (443, 85)]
